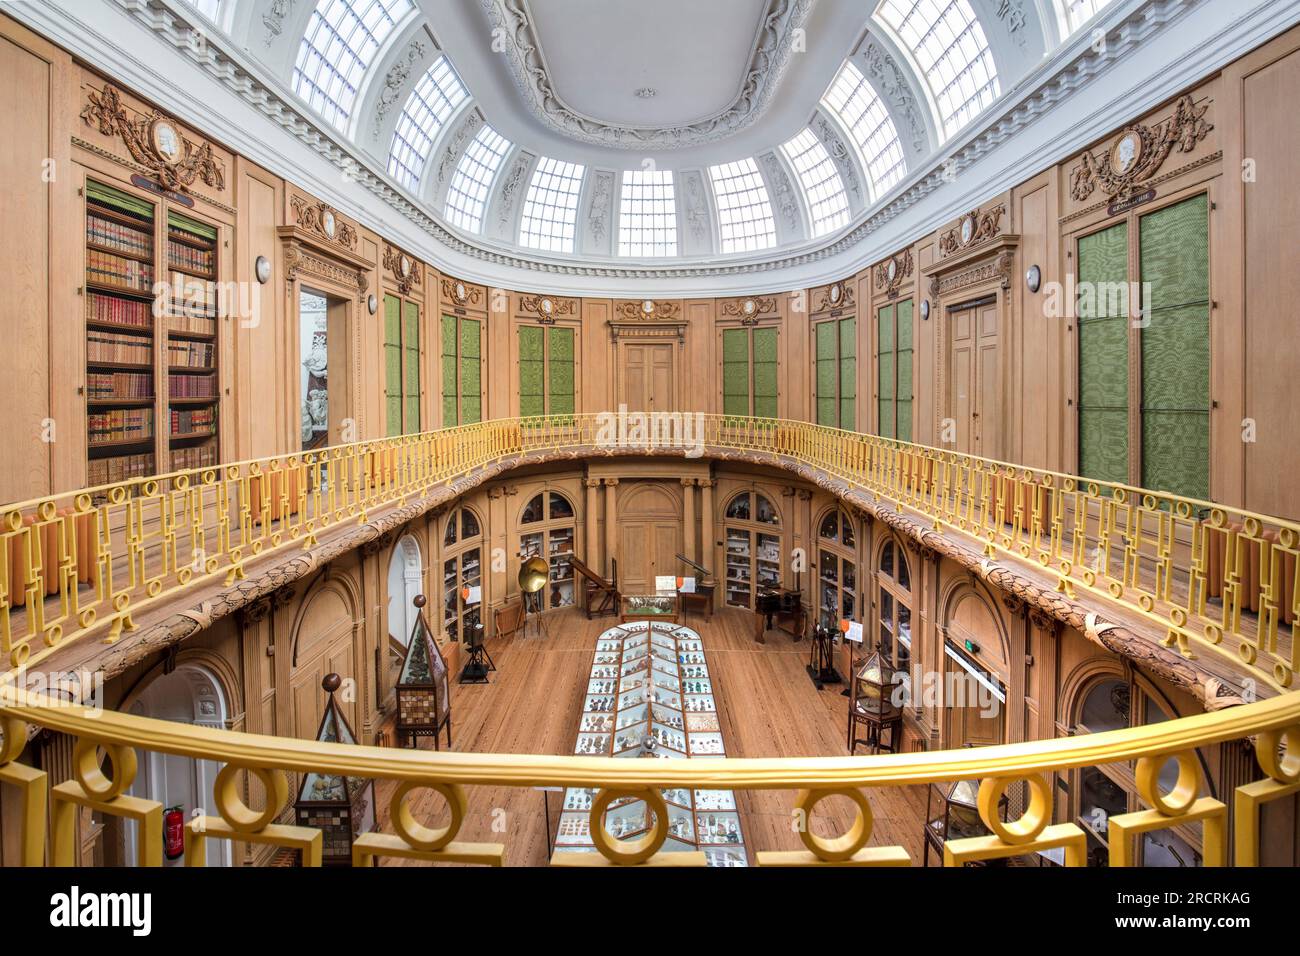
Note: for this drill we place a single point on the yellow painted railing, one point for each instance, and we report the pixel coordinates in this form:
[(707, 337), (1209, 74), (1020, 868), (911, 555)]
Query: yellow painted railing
[(102, 785), (1205, 579)]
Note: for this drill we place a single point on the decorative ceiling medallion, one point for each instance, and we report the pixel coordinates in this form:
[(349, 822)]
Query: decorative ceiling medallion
[(1138, 153), (749, 310), (973, 228), (893, 272), (460, 293), (404, 269), (320, 219), (155, 143), (546, 308), (648, 310), (772, 55)]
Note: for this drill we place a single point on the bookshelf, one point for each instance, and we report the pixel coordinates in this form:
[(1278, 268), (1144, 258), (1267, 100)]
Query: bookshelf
[(152, 383), (191, 356), (121, 398)]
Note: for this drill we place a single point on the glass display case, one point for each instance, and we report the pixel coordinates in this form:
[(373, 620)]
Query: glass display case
[(650, 696), (549, 519), (753, 554), (423, 692)]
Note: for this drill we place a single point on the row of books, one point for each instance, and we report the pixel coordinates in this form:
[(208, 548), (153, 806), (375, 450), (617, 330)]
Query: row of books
[(121, 424), (195, 326), (107, 308), (192, 386), (199, 456), (181, 256), (114, 270), (108, 385), (194, 420), (184, 354), (191, 297), (118, 349), (115, 235), (105, 471)]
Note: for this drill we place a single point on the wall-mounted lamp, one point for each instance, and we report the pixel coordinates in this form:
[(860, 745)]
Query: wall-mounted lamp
[(925, 310), (372, 304), (262, 269), (1034, 278)]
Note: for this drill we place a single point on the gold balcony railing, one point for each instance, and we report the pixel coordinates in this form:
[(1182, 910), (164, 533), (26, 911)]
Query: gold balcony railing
[(103, 784), (1204, 578)]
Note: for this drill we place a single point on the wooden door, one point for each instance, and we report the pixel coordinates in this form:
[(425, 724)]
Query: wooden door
[(649, 548), (975, 399), (649, 378)]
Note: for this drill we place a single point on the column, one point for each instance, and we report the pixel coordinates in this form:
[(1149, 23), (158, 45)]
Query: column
[(708, 550), (688, 518), (611, 524), (592, 556)]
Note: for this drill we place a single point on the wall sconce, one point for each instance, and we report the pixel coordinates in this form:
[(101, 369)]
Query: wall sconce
[(372, 304), (262, 269), (1034, 278), (925, 310)]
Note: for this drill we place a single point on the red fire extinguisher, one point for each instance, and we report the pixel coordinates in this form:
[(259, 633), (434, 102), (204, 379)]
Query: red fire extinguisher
[(174, 832)]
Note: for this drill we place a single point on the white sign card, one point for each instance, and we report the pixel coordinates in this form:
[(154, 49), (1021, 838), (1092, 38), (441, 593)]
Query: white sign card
[(665, 583), (854, 633)]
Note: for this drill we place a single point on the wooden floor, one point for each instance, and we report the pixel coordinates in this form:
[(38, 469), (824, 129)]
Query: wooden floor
[(768, 706)]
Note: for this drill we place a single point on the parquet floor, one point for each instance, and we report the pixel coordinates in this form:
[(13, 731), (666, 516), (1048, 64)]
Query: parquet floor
[(768, 708)]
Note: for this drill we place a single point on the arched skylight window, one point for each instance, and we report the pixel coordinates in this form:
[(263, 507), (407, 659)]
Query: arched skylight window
[(551, 207), (821, 181), (434, 99), (342, 39), (949, 45), (469, 188), (744, 210), (1079, 12), (853, 100), (209, 8), (647, 219)]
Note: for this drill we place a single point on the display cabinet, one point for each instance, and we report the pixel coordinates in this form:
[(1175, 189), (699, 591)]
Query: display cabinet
[(548, 520), (874, 705), (656, 607), (753, 557), (423, 691), (650, 696)]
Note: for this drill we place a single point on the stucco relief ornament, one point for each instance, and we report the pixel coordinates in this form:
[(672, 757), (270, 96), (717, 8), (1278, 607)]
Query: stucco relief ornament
[(1139, 152), (394, 81), (154, 142)]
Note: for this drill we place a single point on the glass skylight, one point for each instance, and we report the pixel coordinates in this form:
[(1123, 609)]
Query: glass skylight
[(342, 39), (551, 207), (949, 45), (821, 181), (209, 8), (434, 99), (647, 220), (860, 110), (744, 210), (1079, 12), (468, 193)]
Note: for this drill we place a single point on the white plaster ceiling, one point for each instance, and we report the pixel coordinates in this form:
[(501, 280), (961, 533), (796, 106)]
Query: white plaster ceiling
[(694, 56)]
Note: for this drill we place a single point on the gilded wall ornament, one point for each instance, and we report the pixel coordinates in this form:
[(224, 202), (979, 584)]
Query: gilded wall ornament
[(894, 271), (1138, 152), (460, 293), (547, 308), (750, 310), (322, 220), (648, 310), (155, 142), (972, 229), (404, 269)]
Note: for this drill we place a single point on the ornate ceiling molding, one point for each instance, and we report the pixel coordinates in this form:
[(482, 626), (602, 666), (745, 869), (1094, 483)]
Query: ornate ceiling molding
[(1079, 67), (766, 68)]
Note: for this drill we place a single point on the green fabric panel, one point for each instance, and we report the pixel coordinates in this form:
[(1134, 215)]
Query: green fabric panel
[(886, 412), (411, 374), (532, 399), (393, 364), (765, 373), (826, 360), (449, 371), (735, 371), (471, 372), (848, 373), (192, 225), (1175, 263), (1103, 355), (123, 202), (563, 375), (904, 370)]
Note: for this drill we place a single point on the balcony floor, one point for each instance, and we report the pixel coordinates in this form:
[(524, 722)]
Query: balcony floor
[(768, 707)]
